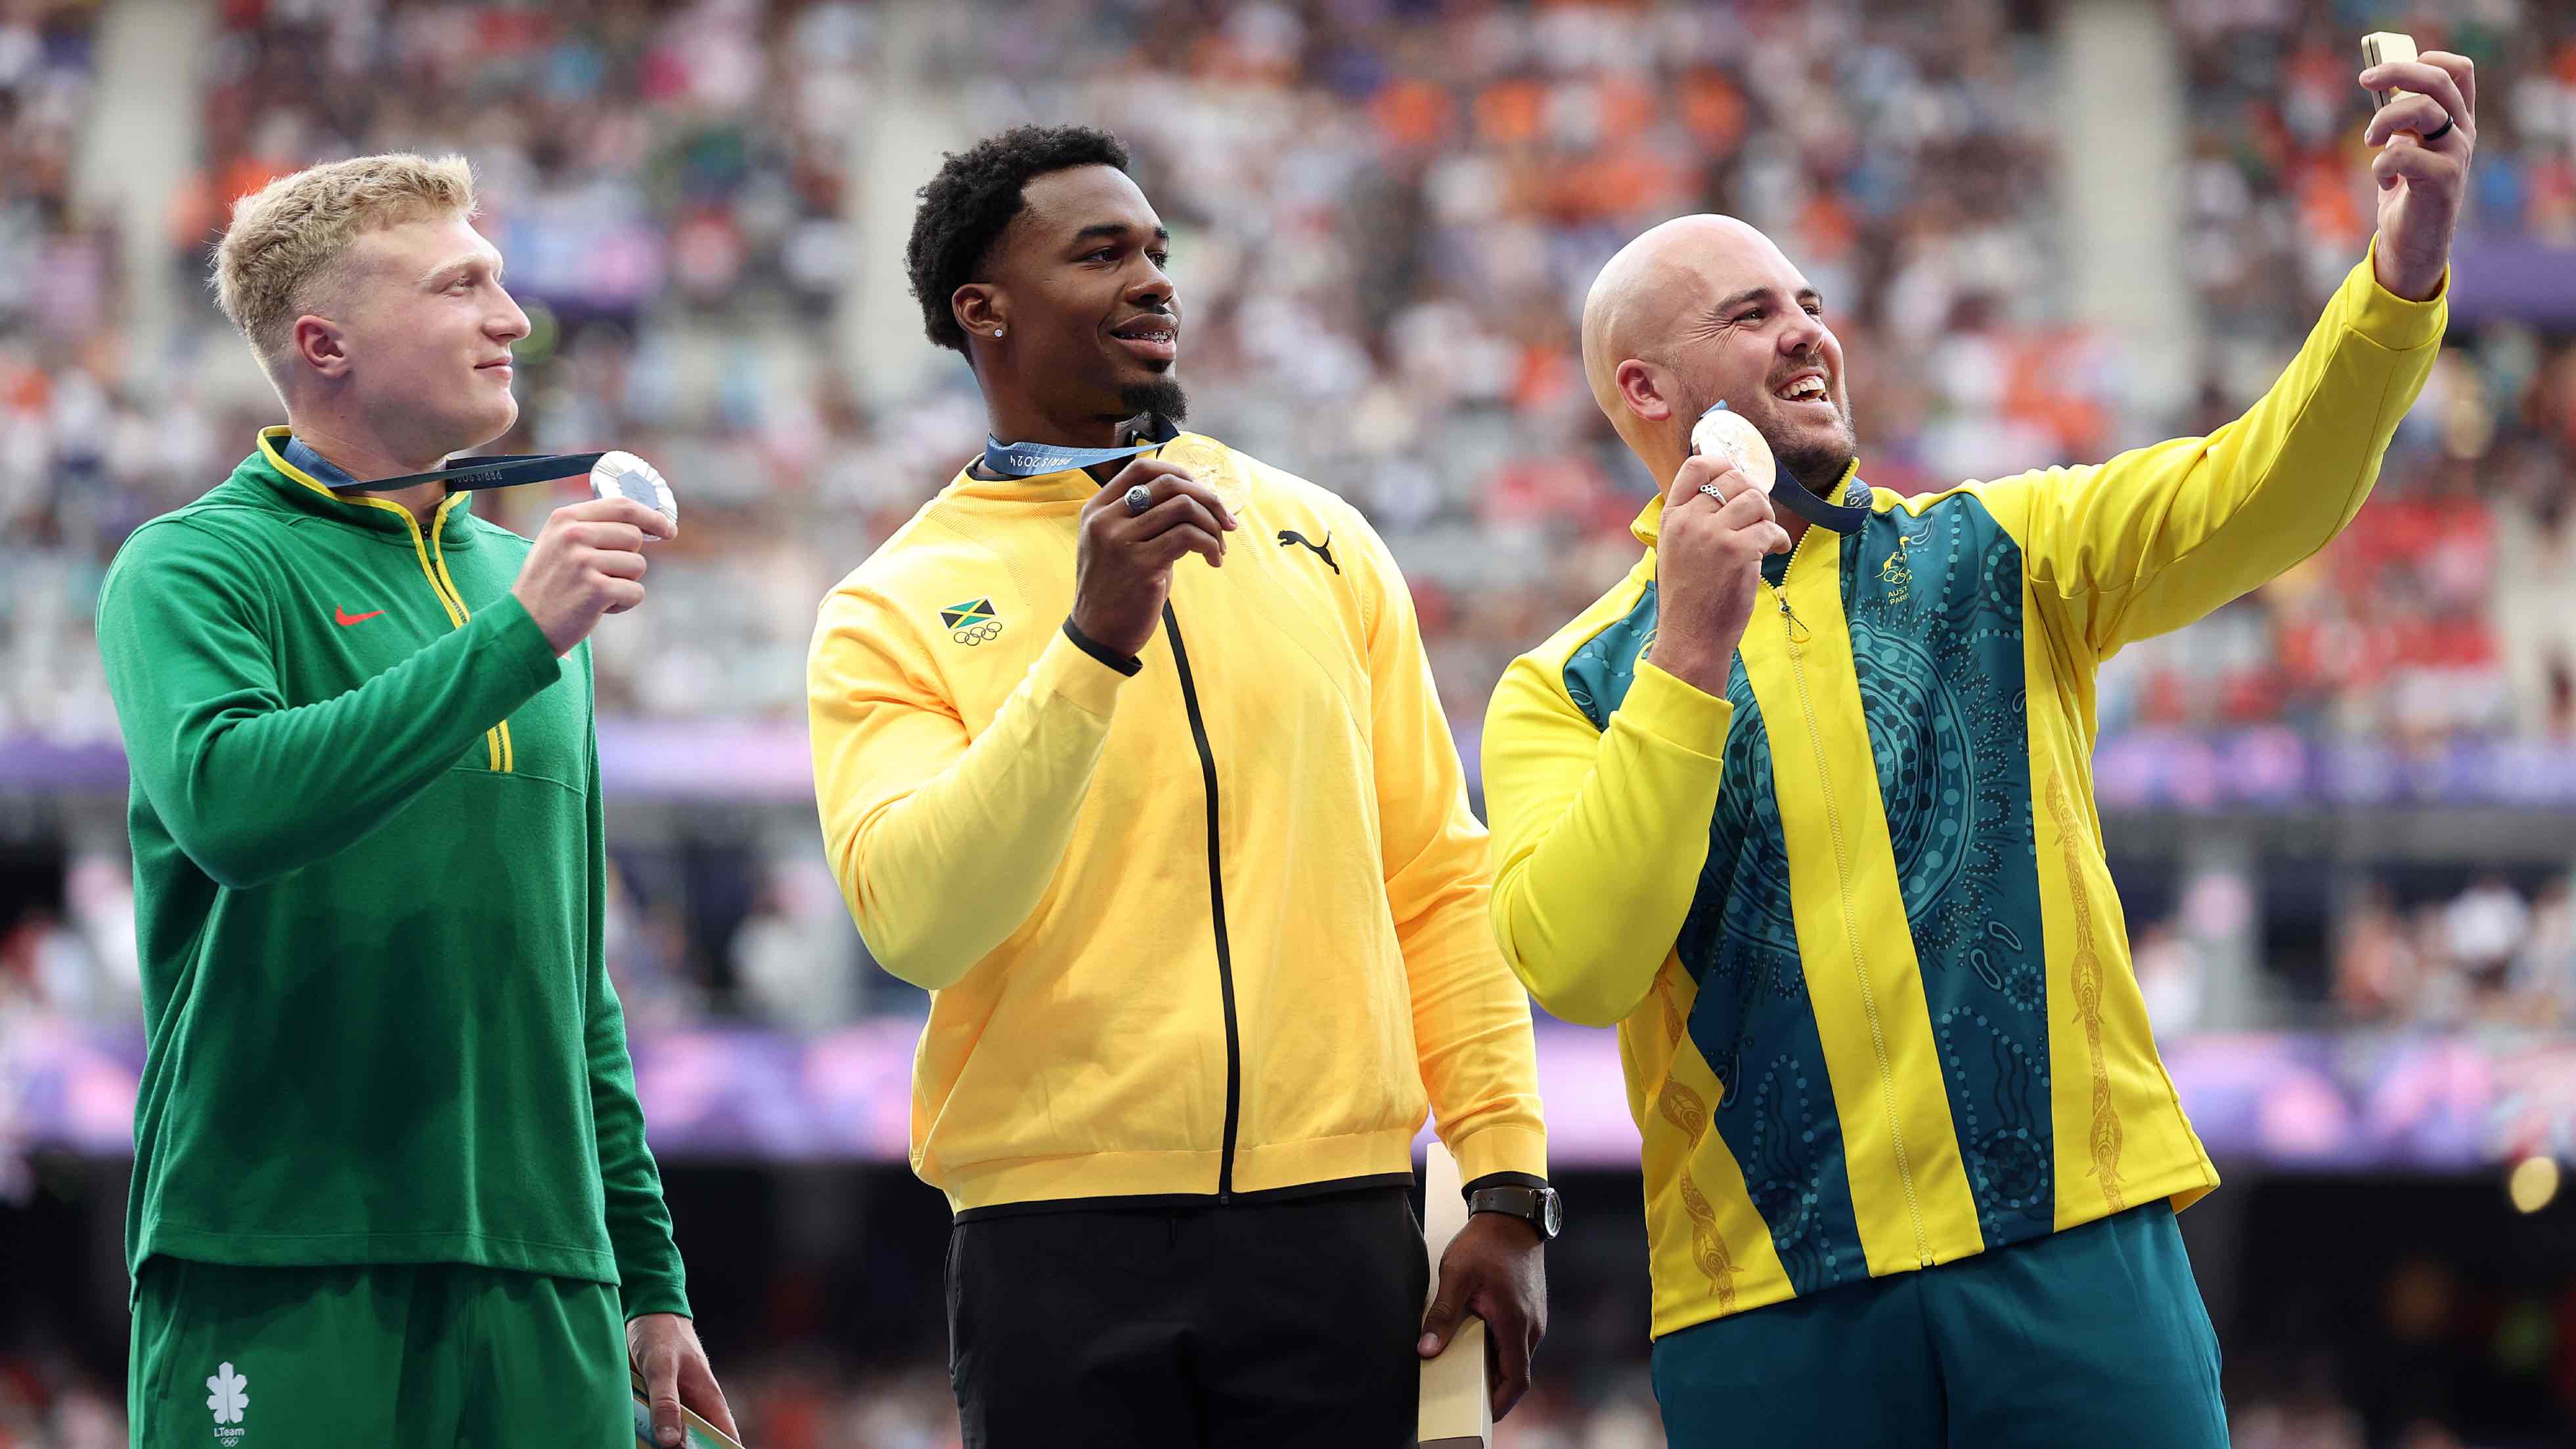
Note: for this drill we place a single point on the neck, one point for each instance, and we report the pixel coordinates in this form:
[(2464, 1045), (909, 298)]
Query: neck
[(1022, 420), (360, 454)]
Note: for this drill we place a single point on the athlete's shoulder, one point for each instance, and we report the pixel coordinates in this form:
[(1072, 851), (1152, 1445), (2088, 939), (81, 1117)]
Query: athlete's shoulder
[(1266, 483), (928, 547), (215, 527), (1628, 603)]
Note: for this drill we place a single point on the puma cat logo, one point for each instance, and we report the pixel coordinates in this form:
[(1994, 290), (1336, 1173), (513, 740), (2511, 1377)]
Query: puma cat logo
[(1322, 550)]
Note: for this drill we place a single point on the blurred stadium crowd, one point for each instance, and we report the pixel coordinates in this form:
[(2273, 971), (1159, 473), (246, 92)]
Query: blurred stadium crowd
[(1386, 213)]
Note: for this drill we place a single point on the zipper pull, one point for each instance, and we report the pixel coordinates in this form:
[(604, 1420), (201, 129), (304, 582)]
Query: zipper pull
[(1797, 627)]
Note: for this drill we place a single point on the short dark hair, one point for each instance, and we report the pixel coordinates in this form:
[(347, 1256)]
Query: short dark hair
[(974, 196)]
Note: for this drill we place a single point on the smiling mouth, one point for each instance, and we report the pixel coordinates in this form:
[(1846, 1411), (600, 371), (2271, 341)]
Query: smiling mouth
[(1808, 387), (1156, 339)]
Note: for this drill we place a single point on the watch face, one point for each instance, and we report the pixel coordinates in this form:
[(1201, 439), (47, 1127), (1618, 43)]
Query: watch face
[(1551, 1214)]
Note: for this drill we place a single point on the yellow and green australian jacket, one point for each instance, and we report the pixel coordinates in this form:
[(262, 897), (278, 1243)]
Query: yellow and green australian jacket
[(1852, 919)]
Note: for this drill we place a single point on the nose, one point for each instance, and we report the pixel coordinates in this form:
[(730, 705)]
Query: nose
[(1152, 288), (1805, 333), (510, 323)]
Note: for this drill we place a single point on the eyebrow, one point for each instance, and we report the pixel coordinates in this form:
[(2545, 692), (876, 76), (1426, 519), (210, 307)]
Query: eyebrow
[(1114, 231), (1756, 294), (461, 263)]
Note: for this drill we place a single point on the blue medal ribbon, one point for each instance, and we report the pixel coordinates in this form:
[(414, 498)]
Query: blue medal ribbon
[(1036, 460), (500, 470)]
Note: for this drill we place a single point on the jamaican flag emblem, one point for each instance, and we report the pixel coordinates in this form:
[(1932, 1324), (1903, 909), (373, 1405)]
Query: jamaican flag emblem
[(970, 623)]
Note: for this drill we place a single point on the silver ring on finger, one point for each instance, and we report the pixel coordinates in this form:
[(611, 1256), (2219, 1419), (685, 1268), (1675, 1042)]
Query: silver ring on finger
[(1139, 498), (1713, 491)]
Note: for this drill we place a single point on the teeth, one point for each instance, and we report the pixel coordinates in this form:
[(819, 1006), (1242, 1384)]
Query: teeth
[(1806, 387)]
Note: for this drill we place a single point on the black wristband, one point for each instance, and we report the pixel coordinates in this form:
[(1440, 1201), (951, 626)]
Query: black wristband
[(1123, 663), (1503, 1179)]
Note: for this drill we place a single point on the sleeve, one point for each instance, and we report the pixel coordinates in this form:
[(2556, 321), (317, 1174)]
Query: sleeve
[(250, 787), (650, 1276), (911, 806), (2158, 537), (1471, 1021), (1599, 835)]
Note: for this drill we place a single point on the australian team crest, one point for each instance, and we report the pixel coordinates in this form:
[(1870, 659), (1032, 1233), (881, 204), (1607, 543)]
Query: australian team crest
[(970, 623)]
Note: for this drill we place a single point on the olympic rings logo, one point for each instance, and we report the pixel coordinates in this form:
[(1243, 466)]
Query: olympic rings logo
[(974, 634)]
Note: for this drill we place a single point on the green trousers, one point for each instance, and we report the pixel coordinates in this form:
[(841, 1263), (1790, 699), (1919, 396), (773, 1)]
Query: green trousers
[(433, 1354), (2095, 1335)]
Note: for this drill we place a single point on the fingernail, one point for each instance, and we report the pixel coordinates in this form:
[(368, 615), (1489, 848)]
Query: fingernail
[(1430, 1344), (670, 1434)]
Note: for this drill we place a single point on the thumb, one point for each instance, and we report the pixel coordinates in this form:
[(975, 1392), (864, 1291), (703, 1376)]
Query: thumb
[(662, 1378), (1442, 1320)]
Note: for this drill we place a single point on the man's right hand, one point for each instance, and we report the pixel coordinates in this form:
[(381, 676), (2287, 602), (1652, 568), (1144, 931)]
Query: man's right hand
[(588, 561), (1708, 567), (1122, 570)]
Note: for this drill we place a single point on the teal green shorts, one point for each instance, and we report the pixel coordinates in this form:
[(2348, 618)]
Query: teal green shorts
[(2095, 1335), (441, 1354)]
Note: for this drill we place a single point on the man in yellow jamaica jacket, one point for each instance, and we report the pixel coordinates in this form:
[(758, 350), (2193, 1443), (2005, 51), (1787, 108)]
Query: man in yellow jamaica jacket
[(1804, 806), (1149, 785)]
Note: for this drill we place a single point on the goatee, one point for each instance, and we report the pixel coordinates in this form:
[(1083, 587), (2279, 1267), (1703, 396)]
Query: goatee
[(1162, 397)]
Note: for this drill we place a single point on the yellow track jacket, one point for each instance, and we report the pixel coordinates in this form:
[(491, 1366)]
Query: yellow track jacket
[(1853, 920), (1205, 931)]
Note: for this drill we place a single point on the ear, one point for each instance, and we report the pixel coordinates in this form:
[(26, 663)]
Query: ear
[(979, 307), (319, 343), (1641, 387)]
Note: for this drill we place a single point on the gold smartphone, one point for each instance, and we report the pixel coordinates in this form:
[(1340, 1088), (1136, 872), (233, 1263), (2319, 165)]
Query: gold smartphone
[(2380, 47)]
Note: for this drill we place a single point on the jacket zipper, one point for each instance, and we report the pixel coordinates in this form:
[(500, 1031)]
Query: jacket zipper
[(1799, 635), (433, 565), (502, 747), (1216, 901)]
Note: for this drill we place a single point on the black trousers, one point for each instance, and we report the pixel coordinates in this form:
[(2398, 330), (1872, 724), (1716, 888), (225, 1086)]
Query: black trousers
[(1204, 1327)]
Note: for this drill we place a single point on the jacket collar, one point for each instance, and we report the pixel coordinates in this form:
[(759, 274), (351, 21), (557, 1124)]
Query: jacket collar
[(298, 489)]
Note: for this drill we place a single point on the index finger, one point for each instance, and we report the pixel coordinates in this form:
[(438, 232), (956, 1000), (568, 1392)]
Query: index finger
[(622, 510), (2424, 79), (1507, 1343), (1163, 481), (1699, 469)]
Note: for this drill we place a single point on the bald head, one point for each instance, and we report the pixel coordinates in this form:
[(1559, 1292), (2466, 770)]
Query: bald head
[(1704, 308)]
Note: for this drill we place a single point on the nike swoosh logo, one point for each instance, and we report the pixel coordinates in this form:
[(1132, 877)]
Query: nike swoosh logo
[(345, 617)]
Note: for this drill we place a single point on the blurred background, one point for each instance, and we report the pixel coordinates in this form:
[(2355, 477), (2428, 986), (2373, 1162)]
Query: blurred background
[(2342, 811)]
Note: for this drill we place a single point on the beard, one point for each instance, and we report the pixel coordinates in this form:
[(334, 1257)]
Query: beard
[(1162, 397), (1816, 463)]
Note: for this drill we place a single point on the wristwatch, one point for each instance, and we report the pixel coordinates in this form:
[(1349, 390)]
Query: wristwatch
[(1540, 1207)]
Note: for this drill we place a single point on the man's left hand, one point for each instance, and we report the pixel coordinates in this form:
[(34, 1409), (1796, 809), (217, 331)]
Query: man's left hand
[(664, 1348), (1494, 1270), (2421, 180)]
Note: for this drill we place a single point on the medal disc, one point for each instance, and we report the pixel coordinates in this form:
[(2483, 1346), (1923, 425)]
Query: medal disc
[(1720, 433), (623, 475)]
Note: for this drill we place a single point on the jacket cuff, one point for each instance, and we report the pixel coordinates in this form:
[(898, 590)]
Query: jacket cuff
[(640, 1295), (516, 635), (1510, 1147), (2391, 320), (1065, 667), (1126, 664), (1674, 712)]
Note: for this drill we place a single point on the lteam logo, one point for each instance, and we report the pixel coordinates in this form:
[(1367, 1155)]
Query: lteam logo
[(970, 623), (228, 1396)]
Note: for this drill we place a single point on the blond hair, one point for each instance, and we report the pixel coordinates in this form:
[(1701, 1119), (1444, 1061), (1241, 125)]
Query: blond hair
[(295, 232)]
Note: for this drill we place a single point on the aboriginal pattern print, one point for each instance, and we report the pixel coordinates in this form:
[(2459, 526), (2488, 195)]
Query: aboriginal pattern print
[(1934, 604), (1751, 1020)]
